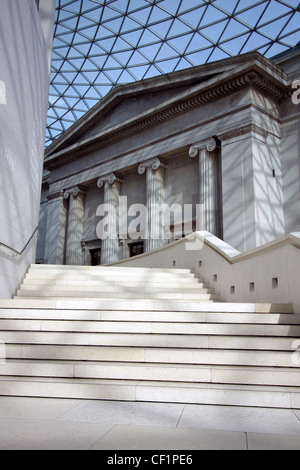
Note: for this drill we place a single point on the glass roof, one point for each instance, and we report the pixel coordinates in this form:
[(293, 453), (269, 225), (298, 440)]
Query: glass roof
[(99, 44)]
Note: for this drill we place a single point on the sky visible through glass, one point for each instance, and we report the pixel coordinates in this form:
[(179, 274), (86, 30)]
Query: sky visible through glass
[(100, 44)]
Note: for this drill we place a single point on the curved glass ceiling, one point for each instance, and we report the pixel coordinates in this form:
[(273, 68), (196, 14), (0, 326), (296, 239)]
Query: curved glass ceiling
[(100, 44)]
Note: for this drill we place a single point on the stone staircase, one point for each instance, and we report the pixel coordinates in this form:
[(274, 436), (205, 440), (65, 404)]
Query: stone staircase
[(141, 334)]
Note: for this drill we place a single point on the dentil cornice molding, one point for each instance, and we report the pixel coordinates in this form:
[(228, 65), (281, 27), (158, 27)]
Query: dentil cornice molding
[(243, 129)]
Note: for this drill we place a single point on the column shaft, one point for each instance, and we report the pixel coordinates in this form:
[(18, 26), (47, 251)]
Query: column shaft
[(74, 254), (155, 198), (110, 250), (207, 184)]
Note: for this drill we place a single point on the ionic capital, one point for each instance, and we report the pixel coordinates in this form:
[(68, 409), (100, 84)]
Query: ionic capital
[(110, 179), (154, 163), (74, 191), (209, 145)]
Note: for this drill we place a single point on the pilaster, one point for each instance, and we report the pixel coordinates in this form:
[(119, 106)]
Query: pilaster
[(252, 187), (56, 229)]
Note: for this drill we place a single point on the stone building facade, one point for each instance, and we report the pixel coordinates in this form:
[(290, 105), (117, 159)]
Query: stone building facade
[(215, 147)]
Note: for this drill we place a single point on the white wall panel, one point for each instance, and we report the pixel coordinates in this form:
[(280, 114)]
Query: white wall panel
[(24, 75)]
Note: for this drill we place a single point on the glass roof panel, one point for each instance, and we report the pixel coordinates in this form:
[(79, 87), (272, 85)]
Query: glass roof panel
[(99, 44)]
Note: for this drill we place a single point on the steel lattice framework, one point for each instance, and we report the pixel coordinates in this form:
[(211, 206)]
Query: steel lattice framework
[(100, 44)]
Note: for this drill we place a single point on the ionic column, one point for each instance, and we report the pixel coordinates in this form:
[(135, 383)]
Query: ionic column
[(110, 243), (155, 197), (207, 169), (56, 229), (74, 254)]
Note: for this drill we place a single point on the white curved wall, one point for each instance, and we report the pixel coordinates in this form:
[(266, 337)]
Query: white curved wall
[(24, 87)]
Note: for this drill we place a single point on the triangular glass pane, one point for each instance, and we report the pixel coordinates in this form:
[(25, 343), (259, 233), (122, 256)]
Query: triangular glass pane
[(273, 12), (234, 28), (109, 14), (291, 40), (272, 29), (198, 42), (137, 59), (121, 45), (161, 28), (212, 15), (140, 71), (141, 15), (122, 57), (181, 43), (132, 38), (114, 75), (214, 32), (148, 38), (293, 24), (168, 66), (193, 18), (255, 42), (150, 51), (199, 58), (130, 25), (235, 45), (114, 25), (183, 64), (178, 28), (126, 77), (218, 54), (171, 6), (166, 52), (158, 15), (252, 16), (276, 49), (152, 72), (228, 7)]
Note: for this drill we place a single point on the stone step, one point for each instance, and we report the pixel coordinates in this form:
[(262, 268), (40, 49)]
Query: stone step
[(120, 273), (143, 334), (56, 293), (133, 327), (286, 320), (149, 340), (193, 289), (149, 305), (138, 284), (108, 269), (78, 279), (152, 372), (206, 394), (151, 355)]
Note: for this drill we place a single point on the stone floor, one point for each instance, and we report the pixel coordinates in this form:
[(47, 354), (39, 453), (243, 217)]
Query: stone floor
[(36, 424)]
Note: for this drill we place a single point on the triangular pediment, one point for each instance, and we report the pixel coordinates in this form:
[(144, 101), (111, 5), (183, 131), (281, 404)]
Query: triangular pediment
[(130, 104), (121, 102)]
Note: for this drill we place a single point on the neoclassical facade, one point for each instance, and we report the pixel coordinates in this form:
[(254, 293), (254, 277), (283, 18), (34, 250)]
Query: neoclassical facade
[(215, 147)]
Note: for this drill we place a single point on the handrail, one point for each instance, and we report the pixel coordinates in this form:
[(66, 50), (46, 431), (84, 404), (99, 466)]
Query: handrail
[(16, 252)]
